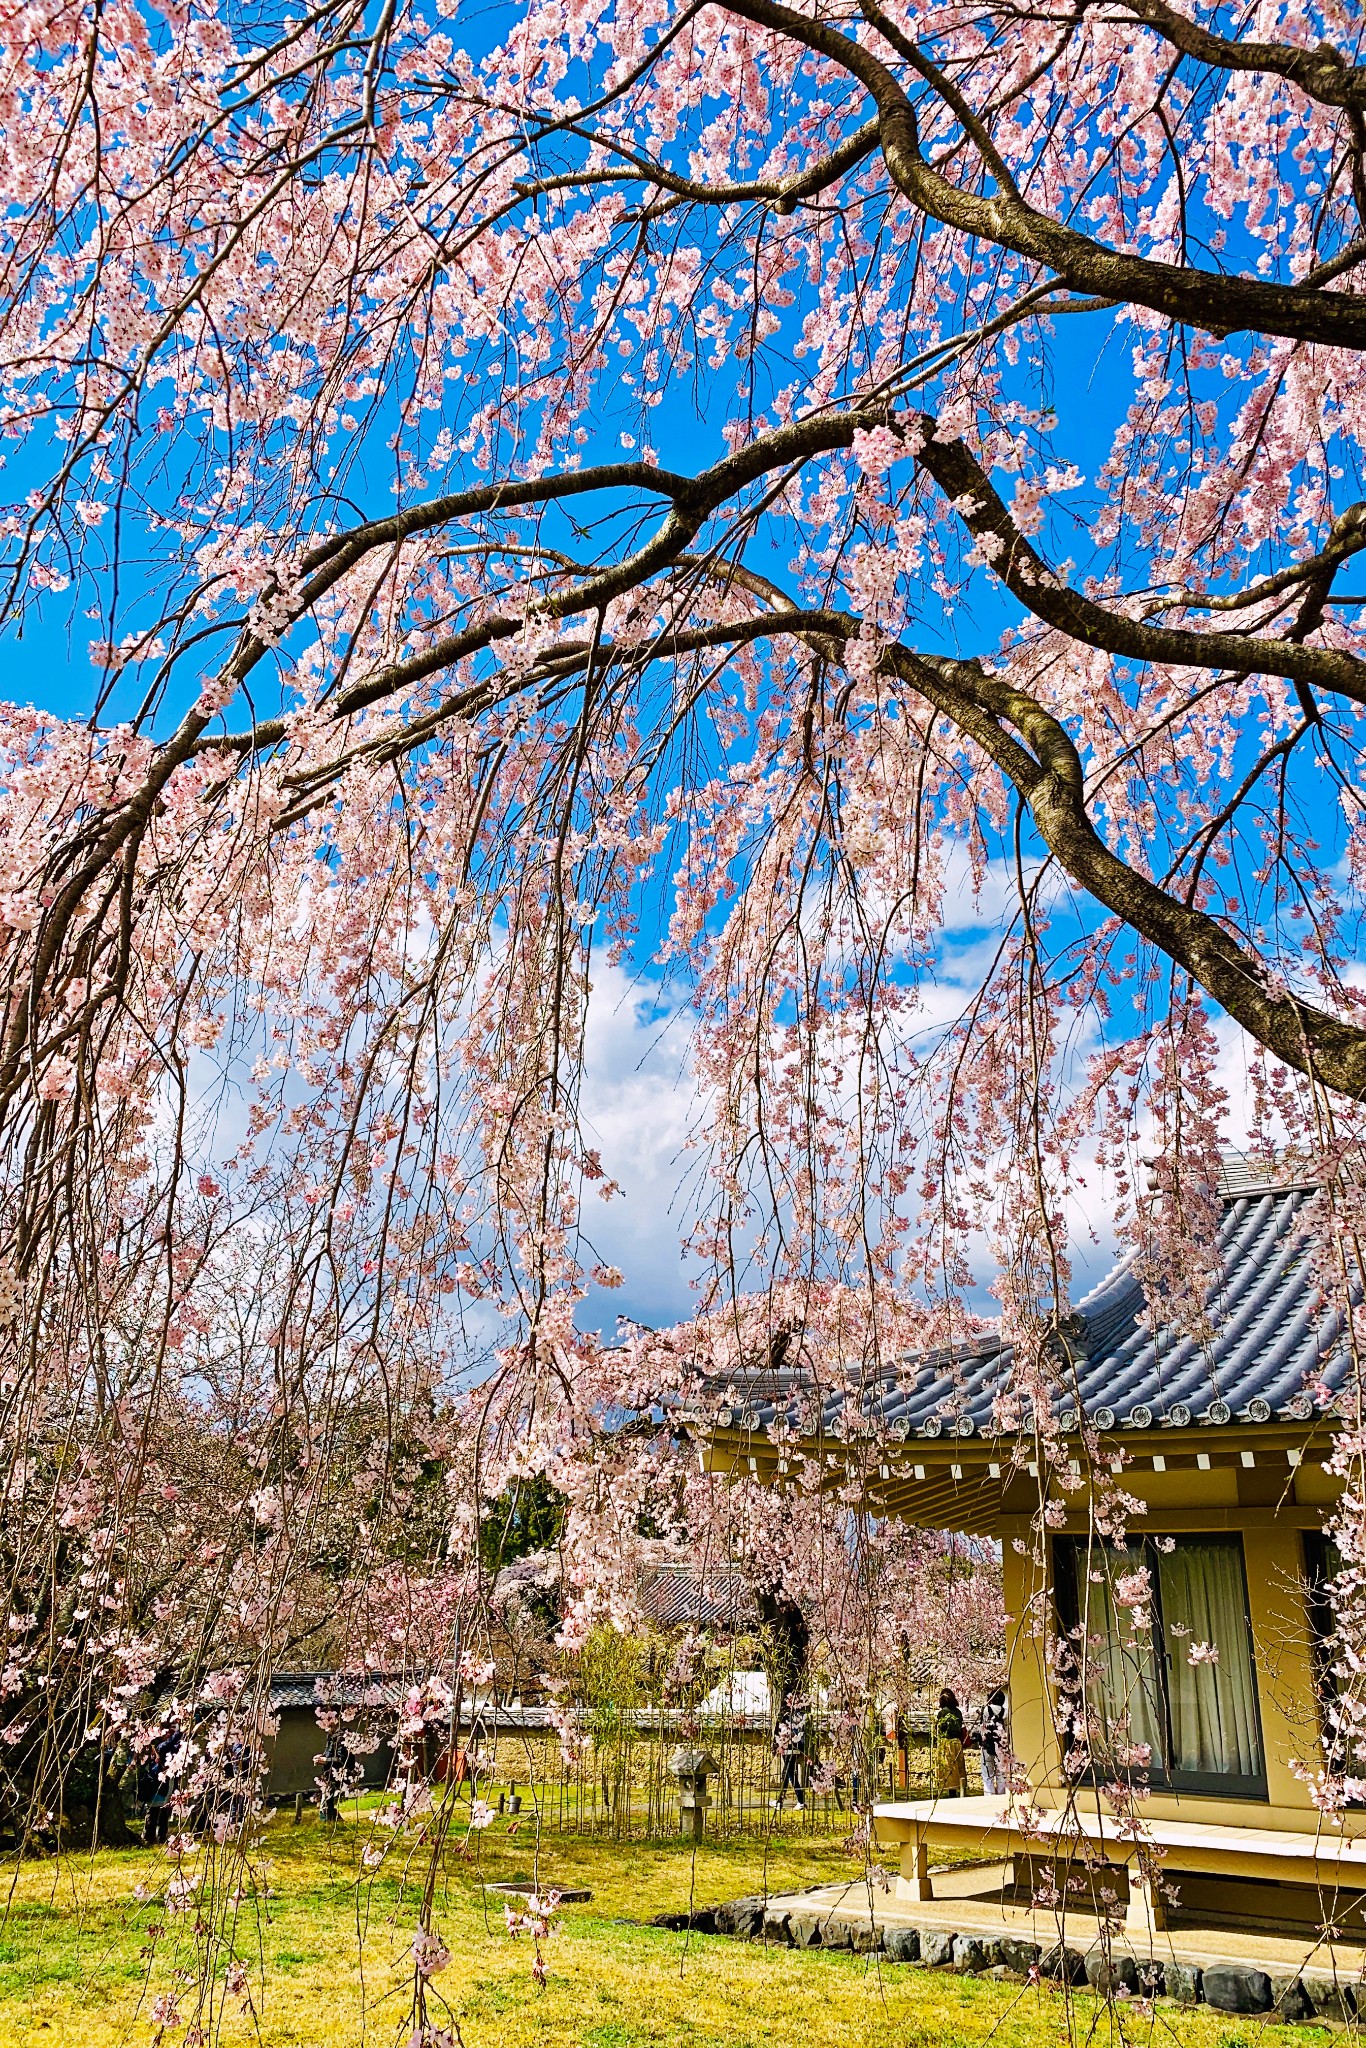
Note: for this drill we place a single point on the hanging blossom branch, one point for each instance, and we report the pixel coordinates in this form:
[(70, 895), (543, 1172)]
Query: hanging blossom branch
[(1051, 780), (355, 368)]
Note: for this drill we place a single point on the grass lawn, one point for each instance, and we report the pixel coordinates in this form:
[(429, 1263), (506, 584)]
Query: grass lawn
[(328, 1956)]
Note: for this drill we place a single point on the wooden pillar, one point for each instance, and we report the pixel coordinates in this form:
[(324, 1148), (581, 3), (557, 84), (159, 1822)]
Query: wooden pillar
[(914, 1882), (1146, 1913)]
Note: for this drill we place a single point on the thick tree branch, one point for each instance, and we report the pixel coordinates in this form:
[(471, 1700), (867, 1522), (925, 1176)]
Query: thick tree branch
[(1323, 73), (1347, 538), (1046, 771), (1034, 750), (783, 194), (1203, 299), (1028, 577), (694, 500)]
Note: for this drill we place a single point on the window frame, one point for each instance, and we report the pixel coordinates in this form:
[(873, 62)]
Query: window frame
[(1160, 1776), (1320, 1568)]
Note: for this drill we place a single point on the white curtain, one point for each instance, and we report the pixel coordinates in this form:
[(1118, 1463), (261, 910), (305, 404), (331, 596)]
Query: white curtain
[(1213, 1705), (1124, 1704)]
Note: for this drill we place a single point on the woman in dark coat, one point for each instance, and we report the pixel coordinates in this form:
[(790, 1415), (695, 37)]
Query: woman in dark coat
[(948, 1747)]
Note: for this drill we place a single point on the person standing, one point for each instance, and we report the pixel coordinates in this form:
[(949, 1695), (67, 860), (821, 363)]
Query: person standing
[(994, 1742), (790, 1742), (948, 1734), (157, 1826)]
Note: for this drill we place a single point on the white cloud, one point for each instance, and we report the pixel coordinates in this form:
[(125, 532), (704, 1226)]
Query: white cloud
[(640, 1105)]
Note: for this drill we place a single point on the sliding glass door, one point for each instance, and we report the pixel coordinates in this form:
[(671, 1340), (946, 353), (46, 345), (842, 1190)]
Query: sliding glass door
[(1162, 1645)]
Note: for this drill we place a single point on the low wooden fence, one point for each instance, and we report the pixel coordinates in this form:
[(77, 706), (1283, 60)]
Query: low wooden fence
[(616, 1782)]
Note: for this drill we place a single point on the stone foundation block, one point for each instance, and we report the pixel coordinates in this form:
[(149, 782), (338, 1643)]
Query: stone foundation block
[(1112, 1973), (1332, 1998), (741, 1918), (804, 1930), (1183, 1982), (901, 1944), (1235, 1987), (1290, 2001)]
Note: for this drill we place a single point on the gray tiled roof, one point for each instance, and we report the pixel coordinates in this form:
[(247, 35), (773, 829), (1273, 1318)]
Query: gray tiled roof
[(672, 1594), (1266, 1336), (334, 1689), (672, 1590)]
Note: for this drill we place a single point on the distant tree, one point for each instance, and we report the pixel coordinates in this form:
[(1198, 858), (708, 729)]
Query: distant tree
[(528, 1516)]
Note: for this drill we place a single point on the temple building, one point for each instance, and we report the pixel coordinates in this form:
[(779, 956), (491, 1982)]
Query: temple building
[(1224, 1438)]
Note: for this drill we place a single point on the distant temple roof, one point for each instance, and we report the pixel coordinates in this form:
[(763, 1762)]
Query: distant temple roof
[(335, 1690), (673, 1591), (677, 1594), (1267, 1339)]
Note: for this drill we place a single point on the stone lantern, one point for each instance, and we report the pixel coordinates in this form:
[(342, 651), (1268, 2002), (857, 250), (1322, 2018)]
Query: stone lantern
[(692, 1768)]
